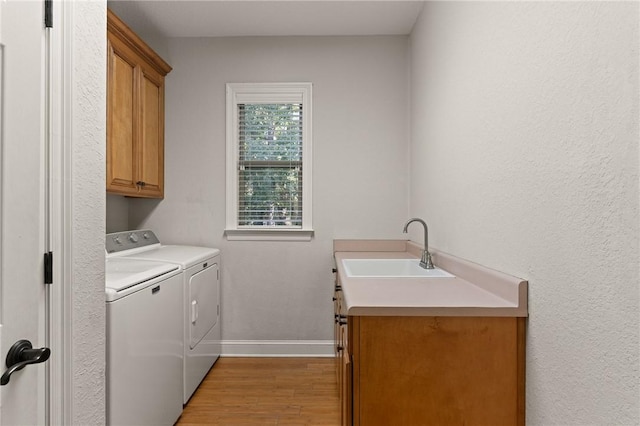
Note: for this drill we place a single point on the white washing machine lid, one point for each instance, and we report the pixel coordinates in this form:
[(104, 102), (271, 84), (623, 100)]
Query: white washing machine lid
[(185, 256), (123, 273)]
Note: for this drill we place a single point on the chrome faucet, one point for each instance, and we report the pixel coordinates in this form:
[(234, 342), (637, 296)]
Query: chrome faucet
[(426, 261)]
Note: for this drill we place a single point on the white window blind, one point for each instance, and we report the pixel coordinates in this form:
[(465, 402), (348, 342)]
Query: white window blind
[(270, 165), (269, 161)]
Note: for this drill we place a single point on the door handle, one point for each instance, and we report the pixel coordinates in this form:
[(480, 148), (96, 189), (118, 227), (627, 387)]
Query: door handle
[(194, 311), (20, 355)]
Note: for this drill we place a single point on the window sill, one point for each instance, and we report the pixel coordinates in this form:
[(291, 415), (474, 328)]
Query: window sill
[(269, 234)]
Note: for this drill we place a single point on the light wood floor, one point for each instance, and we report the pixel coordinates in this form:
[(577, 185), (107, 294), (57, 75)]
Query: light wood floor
[(266, 391)]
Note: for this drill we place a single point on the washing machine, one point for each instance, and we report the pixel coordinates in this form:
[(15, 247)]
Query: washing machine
[(200, 267), (144, 342)]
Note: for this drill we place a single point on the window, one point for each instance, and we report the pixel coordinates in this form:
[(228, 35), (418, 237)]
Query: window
[(269, 161)]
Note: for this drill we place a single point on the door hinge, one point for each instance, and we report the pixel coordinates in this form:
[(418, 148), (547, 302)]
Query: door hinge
[(48, 13), (48, 268)]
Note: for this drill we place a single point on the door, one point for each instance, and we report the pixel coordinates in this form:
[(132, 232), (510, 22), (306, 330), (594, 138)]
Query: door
[(203, 301), (151, 151), (22, 205), (122, 167)]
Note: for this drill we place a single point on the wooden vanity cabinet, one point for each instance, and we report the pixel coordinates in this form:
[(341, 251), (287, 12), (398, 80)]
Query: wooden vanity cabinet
[(135, 113), (412, 370)]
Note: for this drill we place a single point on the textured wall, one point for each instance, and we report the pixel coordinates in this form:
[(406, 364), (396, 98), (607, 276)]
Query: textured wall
[(282, 290), (87, 138), (524, 158)]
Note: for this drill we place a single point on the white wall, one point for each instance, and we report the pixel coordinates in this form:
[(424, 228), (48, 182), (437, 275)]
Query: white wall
[(87, 173), (282, 290), (117, 213), (524, 158)]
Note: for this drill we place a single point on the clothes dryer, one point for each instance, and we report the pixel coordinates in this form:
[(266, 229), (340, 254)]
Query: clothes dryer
[(200, 267)]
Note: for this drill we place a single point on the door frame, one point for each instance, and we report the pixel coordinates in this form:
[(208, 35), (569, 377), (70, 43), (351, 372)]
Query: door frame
[(60, 300)]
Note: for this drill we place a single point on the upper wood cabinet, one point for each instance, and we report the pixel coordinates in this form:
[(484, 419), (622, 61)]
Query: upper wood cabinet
[(135, 113)]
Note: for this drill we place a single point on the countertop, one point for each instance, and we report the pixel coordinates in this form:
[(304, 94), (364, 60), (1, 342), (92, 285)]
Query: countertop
[(475, 290)]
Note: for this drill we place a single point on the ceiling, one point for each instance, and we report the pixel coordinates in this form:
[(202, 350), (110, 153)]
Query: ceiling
[(213, 18)]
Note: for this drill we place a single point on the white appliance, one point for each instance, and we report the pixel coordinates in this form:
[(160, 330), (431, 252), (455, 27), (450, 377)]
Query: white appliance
[(144, 342), (200, 267)]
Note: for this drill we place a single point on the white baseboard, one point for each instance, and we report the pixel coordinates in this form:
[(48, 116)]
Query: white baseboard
[(277, 348)]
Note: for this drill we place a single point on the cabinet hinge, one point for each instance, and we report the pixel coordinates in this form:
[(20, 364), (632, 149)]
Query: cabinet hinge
[(48, 13), (48, 268)]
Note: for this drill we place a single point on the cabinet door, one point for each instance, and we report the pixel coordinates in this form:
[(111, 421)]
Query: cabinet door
[(121, 119), (346, 391), (344, 385), (151, 146), (439, 371), (337, 349), (337, 338)]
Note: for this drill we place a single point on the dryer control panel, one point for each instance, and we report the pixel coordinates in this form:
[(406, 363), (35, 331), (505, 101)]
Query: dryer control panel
[(127, 240)]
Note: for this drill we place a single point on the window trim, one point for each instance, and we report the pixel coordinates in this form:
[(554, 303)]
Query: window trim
[(238, 93)]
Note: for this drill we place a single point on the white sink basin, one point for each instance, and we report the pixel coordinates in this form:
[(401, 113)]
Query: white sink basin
[(390, 268)]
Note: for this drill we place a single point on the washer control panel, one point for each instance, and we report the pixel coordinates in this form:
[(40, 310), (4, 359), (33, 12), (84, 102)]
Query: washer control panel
[(127, 240)]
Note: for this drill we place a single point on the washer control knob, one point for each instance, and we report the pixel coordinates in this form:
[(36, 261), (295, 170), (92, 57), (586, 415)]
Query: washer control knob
[(133, 238), (145, 235), (116, 240)]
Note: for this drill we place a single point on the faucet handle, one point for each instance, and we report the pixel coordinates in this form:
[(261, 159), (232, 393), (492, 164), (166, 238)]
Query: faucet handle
[(426, 261)]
